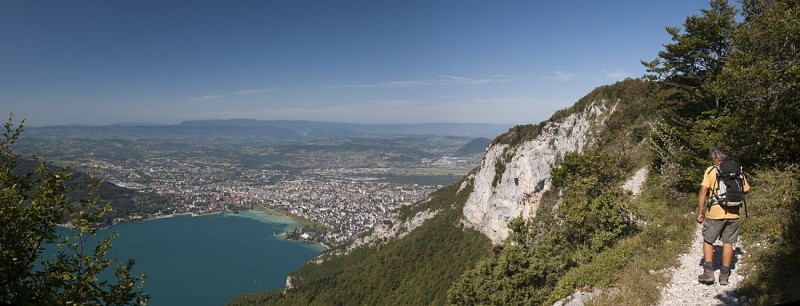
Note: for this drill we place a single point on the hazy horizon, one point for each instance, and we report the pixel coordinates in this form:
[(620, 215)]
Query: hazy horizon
[(95, 62), (234, 119)]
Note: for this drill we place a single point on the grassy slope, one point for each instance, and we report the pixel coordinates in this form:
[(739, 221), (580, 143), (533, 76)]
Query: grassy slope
[(771, 237)]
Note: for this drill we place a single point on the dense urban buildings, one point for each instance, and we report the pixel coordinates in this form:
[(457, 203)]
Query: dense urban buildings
[(347, 200), (340, 186)]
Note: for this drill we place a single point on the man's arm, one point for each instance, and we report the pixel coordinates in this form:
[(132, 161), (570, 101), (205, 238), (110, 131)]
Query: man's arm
[(701, 203)]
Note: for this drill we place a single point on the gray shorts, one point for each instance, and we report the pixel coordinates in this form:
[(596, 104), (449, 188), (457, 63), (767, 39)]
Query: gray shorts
[(726, 230)]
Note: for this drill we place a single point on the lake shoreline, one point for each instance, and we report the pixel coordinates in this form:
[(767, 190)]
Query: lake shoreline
[(180, 253), (287, 222), (263, 214)]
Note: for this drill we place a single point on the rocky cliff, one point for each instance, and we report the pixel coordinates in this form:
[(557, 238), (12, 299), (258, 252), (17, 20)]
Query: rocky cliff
[(392, 227), (511, 178), (415, 255)]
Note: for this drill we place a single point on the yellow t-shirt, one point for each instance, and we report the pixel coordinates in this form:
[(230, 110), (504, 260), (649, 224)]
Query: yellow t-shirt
[(716, 212)]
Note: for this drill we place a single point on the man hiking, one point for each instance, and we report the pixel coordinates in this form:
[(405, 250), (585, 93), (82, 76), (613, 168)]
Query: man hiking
[(721, 220)]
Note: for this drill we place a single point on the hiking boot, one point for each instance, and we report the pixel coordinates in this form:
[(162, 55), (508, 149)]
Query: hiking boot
[(707, 277), (723, 278)]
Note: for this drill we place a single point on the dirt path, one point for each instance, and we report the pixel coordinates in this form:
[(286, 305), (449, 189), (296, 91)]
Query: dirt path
[(684, 290)]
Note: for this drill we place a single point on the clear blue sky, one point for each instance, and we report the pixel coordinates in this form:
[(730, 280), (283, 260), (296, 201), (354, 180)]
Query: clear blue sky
[(165, 61)]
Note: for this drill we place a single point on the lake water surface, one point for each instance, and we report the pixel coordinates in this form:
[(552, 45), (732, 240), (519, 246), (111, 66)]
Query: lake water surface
[(207, 260)]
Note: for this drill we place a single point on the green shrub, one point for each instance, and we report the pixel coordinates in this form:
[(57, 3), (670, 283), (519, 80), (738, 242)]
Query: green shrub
[(590, 216), (771, 237)]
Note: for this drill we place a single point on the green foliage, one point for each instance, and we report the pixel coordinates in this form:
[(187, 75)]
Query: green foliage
[(499, 169), (762, 81), (629, 265), (590, 216), (628, 126), (771, 236), (732, 83), (696, 57), (124, 202), (691, 121), (518, 134), (744, 98), (593, 207), (415, 270), (721, 82), (515, 275), (500, 164), (676, 157), (634, 93), (31, 205), (623, 130)]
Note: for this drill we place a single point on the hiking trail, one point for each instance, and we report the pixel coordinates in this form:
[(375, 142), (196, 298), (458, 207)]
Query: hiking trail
[(684, 289)]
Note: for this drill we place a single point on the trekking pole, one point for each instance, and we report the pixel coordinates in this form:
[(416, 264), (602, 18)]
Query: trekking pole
[(744, 205)]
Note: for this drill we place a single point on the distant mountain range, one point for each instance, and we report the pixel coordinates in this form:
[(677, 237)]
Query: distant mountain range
[(353, 129), (477, 145), (280, 129)]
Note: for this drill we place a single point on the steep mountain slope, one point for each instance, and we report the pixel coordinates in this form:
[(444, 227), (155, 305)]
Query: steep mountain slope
[(477, 145), (403, 262), (516, 168), (510, 180), (414, 270)]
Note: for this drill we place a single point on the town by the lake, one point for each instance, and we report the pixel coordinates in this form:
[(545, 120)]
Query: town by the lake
[(338, 188)]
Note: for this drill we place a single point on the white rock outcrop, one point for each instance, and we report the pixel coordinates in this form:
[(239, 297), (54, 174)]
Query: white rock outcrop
[(581, 297), (527, 174), (392, 229), (289, 285), (634, 184)]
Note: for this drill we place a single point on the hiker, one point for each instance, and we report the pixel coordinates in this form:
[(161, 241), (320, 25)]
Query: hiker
[(720, 221)]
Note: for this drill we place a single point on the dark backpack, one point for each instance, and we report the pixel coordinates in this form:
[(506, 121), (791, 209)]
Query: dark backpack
[(730, 184)]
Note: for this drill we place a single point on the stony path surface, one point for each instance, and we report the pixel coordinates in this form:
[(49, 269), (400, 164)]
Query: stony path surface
[(685, 290)]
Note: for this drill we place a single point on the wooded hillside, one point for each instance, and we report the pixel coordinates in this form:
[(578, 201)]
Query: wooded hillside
[(729, 78)]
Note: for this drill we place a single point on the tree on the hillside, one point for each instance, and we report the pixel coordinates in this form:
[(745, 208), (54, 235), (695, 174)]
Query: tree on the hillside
[(696, 57), (693, 112), (762, 81), (31, 206), (737, 84)]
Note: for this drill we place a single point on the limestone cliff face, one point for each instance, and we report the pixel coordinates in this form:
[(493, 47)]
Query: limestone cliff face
[(393, 228), (527, 171)]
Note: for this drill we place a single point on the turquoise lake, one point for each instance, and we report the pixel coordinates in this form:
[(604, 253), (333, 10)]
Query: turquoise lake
[(206, 260)]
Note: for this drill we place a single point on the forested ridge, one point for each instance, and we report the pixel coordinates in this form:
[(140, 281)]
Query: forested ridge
[(729, 77), (124, 202)]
